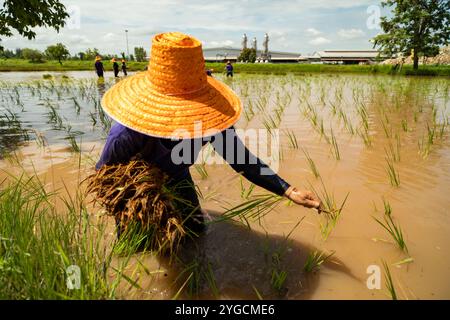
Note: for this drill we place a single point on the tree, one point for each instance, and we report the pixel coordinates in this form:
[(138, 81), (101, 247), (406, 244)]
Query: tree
[(90, 54), (417, 27), (24, 15), (58, 52), (32, 55), (248, 55), (140, 54)]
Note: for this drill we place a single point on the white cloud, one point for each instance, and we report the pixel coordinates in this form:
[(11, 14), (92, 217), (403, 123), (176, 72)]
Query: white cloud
[(319, 41), (313, 32), (226, 43), (78, 39), (351, 33)]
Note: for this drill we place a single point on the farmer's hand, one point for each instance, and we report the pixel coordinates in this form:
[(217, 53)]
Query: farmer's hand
[(305, 198)]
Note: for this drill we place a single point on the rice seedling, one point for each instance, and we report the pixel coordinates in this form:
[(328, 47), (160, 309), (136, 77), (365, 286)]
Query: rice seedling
[(335, 146), (77, 105), (386, 127), (391, 227), (246, 193), (278, 279), (258, 295), (201, 169), (293, 143), (315, 260), (393, 174), (312, 164), (200, 273), (255, 208), (405, 125), (332, 212), (278, 275), (404, 261), (389, 282), (364, 134), (393, 151)]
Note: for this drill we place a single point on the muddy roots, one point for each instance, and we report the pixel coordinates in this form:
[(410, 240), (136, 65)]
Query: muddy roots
[(135, 194)]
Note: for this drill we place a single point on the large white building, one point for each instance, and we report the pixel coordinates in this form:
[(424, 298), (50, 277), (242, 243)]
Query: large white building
[(222, 54)]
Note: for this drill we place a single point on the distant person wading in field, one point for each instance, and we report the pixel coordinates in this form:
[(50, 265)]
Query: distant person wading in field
[(115, 67), (124, 67), (229, 69), (99, 66)]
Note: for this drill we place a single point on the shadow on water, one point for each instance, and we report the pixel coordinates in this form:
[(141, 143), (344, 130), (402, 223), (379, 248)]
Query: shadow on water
[(231, 261)]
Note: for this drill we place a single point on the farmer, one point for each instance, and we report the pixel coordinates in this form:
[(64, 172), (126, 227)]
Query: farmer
[(115, 67), (229, 69), (167, 113), (99, 66), (124, 67)]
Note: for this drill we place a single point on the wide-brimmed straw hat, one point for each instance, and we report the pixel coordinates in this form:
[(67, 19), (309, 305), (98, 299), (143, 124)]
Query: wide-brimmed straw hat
[(174, 98)]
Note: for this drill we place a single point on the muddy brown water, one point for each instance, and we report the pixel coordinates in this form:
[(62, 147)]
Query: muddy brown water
[(399, 110)]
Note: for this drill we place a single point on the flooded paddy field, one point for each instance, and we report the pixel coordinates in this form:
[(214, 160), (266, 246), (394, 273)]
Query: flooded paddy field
[(375, 146)]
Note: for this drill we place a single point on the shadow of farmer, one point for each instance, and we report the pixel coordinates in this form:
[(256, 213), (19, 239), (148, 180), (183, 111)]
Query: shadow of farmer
[(230, 261)]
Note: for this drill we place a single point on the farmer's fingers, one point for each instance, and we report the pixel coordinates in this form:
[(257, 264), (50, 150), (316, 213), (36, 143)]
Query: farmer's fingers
[(311, 204)]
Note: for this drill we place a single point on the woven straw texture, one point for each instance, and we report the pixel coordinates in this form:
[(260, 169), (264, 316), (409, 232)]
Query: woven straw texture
[(174, 98)]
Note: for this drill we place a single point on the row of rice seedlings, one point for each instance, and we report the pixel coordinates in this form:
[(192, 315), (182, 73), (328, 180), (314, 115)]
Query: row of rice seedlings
[(315, 260), (391, 227), (312, 164), (393, 174)]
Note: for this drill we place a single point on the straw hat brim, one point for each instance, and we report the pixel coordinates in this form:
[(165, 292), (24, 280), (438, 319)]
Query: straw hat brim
[(137, 104)]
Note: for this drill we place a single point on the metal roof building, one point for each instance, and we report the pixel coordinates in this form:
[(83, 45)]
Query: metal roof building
[(228, 53), (344, 56)]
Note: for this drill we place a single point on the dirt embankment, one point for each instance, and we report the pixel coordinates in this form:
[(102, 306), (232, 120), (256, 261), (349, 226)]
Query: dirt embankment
[(443, 58)]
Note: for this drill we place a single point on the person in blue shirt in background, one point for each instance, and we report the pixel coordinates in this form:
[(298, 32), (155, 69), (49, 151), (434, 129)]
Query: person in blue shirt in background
[(229, 69), (99, 69)]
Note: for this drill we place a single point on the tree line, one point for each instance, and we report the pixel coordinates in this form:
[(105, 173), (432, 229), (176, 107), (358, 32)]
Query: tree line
[(60, 53)]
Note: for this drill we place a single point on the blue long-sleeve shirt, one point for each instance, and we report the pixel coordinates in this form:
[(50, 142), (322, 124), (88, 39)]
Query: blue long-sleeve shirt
[(175, 157)]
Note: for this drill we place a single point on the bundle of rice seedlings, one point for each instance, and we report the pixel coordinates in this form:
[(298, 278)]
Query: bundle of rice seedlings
[(136, 195)]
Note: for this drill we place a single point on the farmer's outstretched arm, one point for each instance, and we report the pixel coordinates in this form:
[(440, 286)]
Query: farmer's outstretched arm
[(256, 171)]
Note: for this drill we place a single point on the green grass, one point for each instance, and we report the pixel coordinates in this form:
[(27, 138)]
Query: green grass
[(38, 243), (275, 68), (69, 65)]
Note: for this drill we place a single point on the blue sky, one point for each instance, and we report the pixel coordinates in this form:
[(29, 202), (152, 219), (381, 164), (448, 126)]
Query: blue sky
[(302, 26)]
